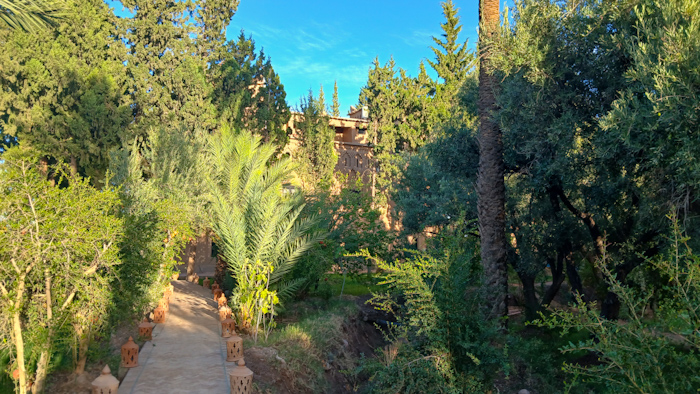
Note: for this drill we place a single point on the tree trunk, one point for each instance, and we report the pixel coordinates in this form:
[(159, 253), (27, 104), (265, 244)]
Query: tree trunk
[(191, 253), (490, 184), (19, 345), (42, 367), (73, 166), (42, 370), (83, 345), (44, 170), (220, 270), (574, 278), (44, 167), (557, 279), (530, 295)]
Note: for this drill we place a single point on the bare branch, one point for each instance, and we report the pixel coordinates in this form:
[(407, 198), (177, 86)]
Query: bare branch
[(69, 299)]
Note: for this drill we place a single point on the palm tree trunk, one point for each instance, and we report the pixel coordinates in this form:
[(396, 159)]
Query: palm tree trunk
[(490, 185)]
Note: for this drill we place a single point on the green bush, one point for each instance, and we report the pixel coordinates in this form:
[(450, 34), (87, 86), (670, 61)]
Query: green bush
[(352, 224), (161, 205), (58, 252), (441, 341), (641, 353)]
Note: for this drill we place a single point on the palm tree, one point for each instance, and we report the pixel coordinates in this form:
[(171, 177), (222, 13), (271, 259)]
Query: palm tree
[(253, 216), (490, 183), (30, 15)]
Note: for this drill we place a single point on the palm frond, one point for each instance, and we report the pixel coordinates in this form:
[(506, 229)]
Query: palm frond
[(285, 290), (31, 15), (253, 218)]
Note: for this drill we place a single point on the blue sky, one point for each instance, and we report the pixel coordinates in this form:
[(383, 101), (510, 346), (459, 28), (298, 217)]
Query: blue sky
[(314, 42)]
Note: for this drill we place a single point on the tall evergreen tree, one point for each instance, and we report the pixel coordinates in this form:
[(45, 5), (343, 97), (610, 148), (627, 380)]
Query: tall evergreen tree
[(247, 92), (335, 109), (399, 116), (63, 96), (452, 60), (322, 100), (169, 58), (407, 112), (316, 152)]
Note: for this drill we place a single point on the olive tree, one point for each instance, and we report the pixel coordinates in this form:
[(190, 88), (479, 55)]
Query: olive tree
[(57, 250)]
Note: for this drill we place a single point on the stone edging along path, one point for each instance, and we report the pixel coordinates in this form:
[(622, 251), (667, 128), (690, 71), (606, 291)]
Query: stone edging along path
[(186, 354)]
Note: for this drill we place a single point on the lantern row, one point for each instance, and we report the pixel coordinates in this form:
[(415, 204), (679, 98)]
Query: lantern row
[(241, 378)]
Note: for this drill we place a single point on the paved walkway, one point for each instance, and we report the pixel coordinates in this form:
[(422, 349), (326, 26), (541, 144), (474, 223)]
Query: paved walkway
[(186, 354)]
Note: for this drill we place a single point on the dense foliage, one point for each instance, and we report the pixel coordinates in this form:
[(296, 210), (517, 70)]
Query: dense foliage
[(58, 252), (440, 342), (597, 105), (315, 153), (137, 133)]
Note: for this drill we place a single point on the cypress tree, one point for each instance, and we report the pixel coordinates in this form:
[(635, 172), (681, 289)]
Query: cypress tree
[(247, 92), (63, 89), (335, 109)]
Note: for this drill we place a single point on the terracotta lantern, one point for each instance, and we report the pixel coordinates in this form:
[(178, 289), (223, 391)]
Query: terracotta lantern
[(159, 315), (163, 303), (130, 354), (217, 294), (176, 276), (222, 300), (146, 329), (234, 348), (241, 379), (224, 313), (214, 287), (105, 383), (206, 283), (228, 327)]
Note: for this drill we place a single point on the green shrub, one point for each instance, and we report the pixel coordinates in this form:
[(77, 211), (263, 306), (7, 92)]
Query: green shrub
[(640, 353), (58, 251), (441, 340)]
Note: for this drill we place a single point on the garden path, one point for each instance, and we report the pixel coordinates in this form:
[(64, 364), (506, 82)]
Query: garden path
[(186, 354)]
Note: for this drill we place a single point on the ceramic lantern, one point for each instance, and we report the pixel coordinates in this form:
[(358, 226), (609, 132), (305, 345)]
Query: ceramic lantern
[(217, 294), (234, 348), (163, 303), (130, 354), (206, 283), (105, 383), (228, 327), (214, 287), (222, 300), (241, 379), (159, 315), (146, 329), (224, 313)]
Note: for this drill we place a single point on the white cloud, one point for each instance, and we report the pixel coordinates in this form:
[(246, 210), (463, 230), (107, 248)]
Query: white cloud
[(418, 38)]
